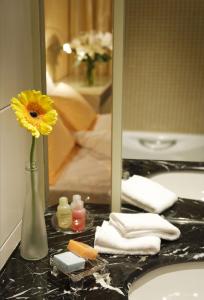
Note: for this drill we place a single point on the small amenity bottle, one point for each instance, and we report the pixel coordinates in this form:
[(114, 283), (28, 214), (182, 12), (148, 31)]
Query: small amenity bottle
[(64, 213), (78, 214)]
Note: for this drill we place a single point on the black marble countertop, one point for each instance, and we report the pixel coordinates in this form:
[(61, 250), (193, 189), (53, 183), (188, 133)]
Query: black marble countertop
[(22, 279)]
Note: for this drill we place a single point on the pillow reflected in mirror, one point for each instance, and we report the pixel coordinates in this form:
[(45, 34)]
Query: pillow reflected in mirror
[(60, 145)]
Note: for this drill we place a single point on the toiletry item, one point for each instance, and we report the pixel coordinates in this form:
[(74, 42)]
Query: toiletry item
[(64, 213), (78, 214), (68, 262), (82, 249)]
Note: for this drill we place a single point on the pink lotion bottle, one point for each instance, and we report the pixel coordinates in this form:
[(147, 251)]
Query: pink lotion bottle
[(78, 214)]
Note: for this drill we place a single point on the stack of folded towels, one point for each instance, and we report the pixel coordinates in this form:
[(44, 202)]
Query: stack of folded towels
[(138, 233)]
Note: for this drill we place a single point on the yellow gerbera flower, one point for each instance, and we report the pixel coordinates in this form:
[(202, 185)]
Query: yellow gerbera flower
[(34, 111)]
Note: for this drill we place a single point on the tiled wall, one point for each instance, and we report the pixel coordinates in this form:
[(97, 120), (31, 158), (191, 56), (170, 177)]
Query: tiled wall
[(164, 66), (18, 65)]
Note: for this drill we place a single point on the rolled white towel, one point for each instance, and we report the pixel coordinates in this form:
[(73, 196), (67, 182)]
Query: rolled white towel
[(147, 194), (144, 224), (109, 240)]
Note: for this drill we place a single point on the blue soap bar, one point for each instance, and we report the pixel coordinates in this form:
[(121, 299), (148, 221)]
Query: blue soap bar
[(68, 262)]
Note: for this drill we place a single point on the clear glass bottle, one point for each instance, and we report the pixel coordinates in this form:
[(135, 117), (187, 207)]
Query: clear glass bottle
[(78, 214), (33, 233)]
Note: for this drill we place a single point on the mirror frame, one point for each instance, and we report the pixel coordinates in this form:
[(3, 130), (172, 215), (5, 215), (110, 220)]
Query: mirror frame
[(118, 38)]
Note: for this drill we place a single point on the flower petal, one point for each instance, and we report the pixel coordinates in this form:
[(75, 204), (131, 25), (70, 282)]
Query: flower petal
[(50, 117), (35, 112)]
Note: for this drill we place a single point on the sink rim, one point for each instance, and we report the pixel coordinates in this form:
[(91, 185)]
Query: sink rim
[(161, 270), (184, 189)]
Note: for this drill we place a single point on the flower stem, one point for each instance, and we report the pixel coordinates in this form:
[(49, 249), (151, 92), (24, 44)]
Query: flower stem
[(32, 152), (89, 71)]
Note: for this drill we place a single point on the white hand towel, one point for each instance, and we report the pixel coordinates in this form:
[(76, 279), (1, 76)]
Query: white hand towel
[(147, 194), (109, 240), (143, 224)]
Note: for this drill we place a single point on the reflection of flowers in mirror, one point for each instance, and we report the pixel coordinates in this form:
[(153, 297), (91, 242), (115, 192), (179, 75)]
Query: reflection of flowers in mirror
[(91, 47), (91, 44), (66, 48)]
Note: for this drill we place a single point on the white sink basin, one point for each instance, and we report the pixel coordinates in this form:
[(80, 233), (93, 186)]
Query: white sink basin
[(186, 184), (176, 282)]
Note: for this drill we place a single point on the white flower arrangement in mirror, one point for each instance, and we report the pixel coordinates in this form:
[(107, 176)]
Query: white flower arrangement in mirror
[(91, 47)]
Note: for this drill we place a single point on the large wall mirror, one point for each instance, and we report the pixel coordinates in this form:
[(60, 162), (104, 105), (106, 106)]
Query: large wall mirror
[(163, 91), (78, 38), (163, 100), (160, 57)]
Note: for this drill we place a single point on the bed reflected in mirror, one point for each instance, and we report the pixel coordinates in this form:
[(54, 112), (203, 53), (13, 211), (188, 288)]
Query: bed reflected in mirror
[(78, 37)]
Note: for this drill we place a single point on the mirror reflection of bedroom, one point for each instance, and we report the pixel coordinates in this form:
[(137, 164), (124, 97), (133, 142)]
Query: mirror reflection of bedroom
[(78, 38)]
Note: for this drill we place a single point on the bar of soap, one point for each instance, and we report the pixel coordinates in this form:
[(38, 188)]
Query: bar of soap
[(68, 262), (82, 250)]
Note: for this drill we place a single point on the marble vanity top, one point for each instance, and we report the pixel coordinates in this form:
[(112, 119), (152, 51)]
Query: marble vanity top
[(21, 279)]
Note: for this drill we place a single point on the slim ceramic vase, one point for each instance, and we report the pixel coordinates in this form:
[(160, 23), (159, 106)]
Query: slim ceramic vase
[(33, 233)]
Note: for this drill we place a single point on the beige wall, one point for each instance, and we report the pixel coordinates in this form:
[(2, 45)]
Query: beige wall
[(56, 34), (164, 66), (21, 66)]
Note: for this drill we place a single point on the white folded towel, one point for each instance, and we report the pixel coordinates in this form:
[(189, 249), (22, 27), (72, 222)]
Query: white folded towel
[(109, 240), (147, 194), (144, 224)]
